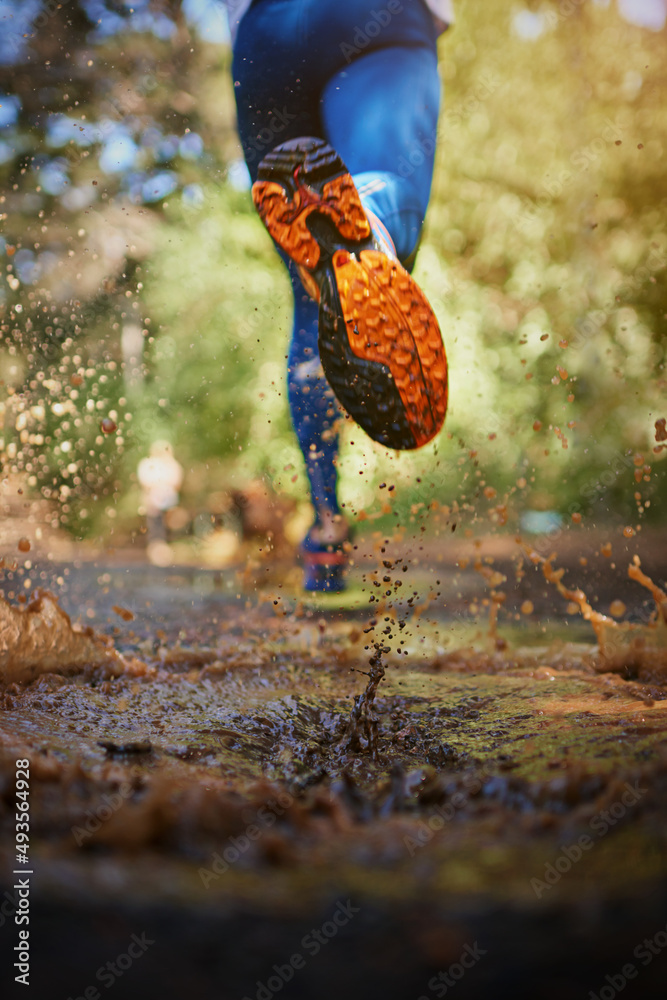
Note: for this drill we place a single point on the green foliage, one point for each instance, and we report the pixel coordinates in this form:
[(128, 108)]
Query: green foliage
[(548, 214), (219, 305)]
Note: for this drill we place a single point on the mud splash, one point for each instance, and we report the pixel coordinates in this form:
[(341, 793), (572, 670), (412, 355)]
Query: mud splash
[(635, 572), (38, 637), (623, 646), (362, 731)]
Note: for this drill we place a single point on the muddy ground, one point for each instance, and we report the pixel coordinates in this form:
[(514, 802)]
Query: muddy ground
[(197, 782)]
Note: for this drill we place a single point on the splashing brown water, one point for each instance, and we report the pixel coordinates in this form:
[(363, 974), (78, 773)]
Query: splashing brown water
[(620, 643), (39, 637), (659, 596), (363, 726)]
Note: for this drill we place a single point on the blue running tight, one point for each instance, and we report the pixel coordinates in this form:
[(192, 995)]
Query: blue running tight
[(364, 77)]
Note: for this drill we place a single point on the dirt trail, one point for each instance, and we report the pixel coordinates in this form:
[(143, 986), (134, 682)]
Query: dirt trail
[(196, 768)]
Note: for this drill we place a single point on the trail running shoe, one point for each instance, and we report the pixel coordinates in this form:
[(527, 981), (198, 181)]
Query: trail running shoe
[(379, 342), (325, 556)]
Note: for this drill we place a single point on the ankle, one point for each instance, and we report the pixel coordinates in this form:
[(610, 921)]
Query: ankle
[(381, 234), (329, 528)]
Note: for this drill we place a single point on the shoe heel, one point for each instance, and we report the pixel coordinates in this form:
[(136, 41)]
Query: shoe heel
[(314, 159), (308, 202)]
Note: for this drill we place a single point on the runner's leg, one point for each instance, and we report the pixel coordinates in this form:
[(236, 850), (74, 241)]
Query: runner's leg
[(277, 100), (380, 112), (381, 115)]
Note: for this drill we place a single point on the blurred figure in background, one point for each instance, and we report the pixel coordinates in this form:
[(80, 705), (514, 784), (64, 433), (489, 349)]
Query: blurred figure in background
[(337, 104), (160, 477)]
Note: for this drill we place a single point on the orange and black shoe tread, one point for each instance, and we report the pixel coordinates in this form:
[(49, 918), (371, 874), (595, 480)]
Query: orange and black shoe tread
[(380, 344)]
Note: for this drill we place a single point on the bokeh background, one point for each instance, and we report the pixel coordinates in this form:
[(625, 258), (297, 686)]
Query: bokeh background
[(141, 298)]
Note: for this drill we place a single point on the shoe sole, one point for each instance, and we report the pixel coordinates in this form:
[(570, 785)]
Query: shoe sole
[(379, 341)]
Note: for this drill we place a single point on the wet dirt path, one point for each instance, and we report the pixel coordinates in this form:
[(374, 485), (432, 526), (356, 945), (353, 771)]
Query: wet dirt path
[(210, 772)]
